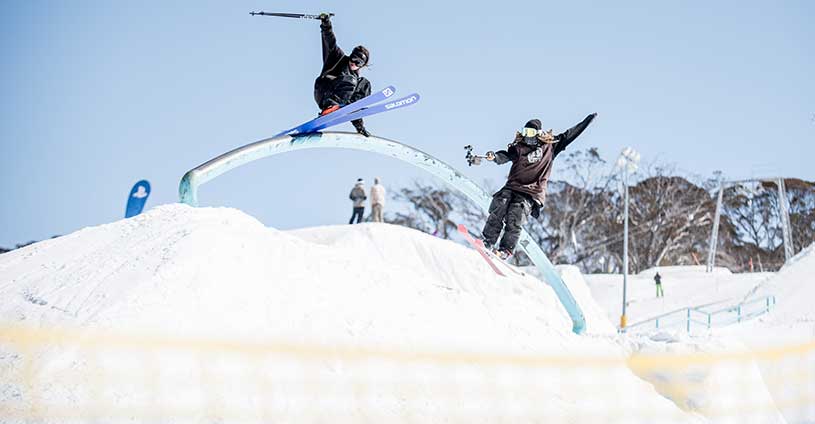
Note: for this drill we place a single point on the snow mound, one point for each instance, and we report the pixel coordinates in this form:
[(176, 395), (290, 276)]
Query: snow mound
[(236, 277), (219, 273), (597, 322), (794, 288)]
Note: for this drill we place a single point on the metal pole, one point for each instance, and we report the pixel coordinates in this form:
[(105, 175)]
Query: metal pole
[(289, 15), (714, 233), (625, 243), (688, 321), (785, 219)]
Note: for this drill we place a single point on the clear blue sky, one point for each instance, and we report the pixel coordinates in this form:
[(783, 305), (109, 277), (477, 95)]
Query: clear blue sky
[(98, 94)]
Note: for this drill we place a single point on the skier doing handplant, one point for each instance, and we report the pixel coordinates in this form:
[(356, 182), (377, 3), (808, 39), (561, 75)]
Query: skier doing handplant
[(531, 153), (339, 82)]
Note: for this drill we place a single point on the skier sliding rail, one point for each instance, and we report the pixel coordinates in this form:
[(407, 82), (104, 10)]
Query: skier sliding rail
[(192, 180)]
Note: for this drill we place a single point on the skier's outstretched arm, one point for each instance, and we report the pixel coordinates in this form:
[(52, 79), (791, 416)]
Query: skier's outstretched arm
[(567, 137), (331, 52), (503, 156)]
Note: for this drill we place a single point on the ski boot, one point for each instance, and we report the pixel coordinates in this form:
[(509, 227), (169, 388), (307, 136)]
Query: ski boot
[(332, 108), (502, 254)]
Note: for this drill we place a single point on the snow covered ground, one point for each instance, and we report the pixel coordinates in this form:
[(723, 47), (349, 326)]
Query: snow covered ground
[(774, 353), (683, 286), (793, 320), (205, 315), (218, 274)]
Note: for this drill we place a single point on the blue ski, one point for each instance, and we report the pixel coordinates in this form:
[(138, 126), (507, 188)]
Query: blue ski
[(368, 111), (310, 126)]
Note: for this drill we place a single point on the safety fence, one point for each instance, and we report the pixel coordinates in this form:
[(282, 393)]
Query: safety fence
[(706, 316), (71, 375)]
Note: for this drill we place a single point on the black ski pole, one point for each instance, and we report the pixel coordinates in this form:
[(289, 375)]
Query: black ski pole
[(471, 158), (289, 15)]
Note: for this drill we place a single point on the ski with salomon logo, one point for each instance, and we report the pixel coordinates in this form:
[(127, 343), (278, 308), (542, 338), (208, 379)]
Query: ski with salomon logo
[(311, 126), (368, 111)]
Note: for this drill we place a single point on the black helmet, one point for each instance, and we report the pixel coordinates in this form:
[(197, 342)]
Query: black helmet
[(360, 56), (533, 123)]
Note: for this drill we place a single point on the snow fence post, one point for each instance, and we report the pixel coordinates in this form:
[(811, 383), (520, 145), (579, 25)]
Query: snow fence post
[(688, 321)]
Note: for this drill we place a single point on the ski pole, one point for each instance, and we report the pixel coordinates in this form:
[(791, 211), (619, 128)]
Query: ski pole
[(289, 15), (472, 159)]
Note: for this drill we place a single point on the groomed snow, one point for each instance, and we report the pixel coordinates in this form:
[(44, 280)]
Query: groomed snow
[(683, 287), (778, 379), (793, 318), (219, 273)]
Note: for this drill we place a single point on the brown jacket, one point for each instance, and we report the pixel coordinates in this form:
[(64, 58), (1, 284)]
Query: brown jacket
[(531, 165)]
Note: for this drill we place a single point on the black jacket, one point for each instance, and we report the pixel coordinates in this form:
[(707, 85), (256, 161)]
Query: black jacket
[(531, 165), (337, 83)]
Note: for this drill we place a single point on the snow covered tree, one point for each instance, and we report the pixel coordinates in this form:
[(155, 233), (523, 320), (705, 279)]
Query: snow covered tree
[(671, 217), (801, 196), (435, 210), (670, 220)]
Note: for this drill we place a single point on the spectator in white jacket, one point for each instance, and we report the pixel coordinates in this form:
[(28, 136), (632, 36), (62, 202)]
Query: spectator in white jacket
[(377, 201)]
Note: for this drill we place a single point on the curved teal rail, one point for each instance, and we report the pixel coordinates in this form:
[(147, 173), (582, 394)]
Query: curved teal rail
[(192, 180)]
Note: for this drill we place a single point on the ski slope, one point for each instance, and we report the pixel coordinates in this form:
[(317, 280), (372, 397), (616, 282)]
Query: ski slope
[(216, 273), (683, 286), (786, 334), (793, 320)]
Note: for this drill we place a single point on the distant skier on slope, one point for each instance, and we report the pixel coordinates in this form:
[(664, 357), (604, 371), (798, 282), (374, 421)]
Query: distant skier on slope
[(658, 281), (339, 82), (531, 154)]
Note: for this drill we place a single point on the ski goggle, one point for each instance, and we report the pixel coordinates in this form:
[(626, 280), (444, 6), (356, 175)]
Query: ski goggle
[(358, 60), (531, 132)]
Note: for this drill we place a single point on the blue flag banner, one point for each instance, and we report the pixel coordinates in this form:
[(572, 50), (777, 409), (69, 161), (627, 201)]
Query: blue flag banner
[(137, 198)]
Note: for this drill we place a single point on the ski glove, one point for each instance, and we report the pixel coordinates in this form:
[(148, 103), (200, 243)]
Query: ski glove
[(360, 127), (325, 21)]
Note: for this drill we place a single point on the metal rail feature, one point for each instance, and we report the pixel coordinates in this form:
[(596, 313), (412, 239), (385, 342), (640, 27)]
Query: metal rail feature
[(193, 179)]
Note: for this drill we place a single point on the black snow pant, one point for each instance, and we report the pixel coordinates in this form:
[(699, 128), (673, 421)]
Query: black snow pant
[(511, 208), (358, 212)]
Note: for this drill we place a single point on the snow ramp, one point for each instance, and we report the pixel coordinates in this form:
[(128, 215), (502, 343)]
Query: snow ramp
[(192, 180), (188, 314)]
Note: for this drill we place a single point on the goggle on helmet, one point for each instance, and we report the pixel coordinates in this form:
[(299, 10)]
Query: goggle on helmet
[(531, 132)]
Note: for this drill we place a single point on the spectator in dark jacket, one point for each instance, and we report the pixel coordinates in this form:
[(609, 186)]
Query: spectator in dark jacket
[(358, 197), (339, 82), (531, 154)]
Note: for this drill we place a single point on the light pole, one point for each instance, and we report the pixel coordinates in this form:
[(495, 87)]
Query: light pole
[(629, 158)]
